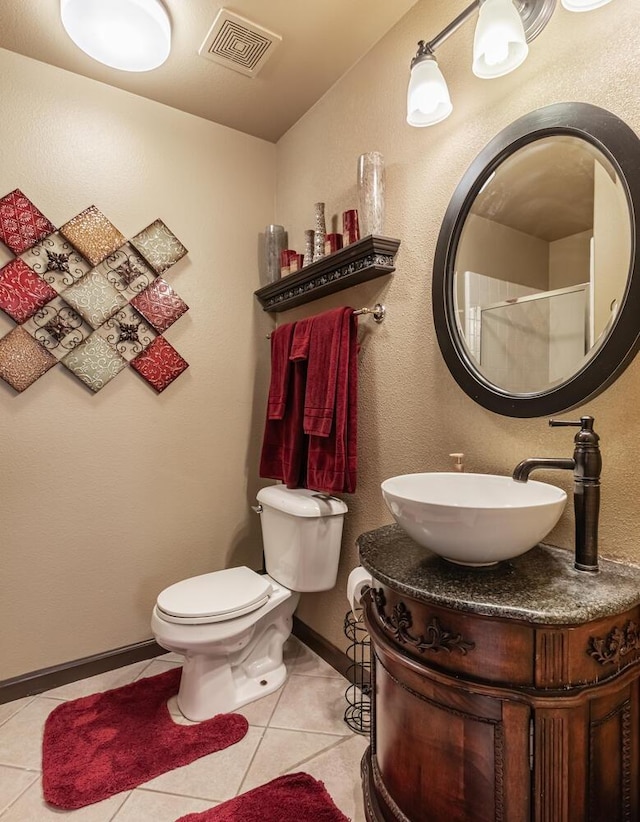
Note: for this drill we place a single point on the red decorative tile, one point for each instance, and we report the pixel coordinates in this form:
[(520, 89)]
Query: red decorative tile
[(160, 364), (21, 223), (22, 292), (160, 305), (22, 359)]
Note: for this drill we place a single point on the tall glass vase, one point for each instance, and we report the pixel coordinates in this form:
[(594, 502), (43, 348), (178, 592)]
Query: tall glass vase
[(371, 185)]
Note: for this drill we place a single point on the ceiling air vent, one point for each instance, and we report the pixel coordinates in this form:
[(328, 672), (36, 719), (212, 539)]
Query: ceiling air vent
[(238, 43)]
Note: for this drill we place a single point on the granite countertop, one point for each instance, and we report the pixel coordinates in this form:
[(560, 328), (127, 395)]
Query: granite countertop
[(541, 586)]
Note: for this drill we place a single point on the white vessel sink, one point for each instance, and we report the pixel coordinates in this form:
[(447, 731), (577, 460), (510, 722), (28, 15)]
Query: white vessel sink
[(473, 519)]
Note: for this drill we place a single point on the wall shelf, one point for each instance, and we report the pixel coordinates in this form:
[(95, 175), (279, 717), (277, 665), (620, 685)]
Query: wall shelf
[(370, 257)]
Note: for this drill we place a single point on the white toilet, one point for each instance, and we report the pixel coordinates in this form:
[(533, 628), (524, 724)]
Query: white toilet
[(231, 625)]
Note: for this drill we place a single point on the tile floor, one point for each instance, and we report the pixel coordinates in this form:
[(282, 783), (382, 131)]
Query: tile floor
[(298, 728)]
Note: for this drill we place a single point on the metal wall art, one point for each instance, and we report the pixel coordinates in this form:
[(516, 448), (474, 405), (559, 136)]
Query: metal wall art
[(87, 297)]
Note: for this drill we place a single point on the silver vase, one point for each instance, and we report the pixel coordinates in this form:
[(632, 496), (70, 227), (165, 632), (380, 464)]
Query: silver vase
[(309, 242), (371, 184), (319, 232), (275, 241)]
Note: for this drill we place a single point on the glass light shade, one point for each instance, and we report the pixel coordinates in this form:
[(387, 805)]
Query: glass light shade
[(130, 35), (583, 5), (500, 44), (428, 100)]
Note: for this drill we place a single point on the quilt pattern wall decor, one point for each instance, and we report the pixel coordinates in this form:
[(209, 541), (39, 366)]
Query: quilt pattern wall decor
[(85, 296)]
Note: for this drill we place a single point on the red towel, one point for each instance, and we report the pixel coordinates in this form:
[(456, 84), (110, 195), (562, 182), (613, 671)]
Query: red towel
[(319, 386), (332, 457), (280, 347), (325, 349), (300, 341), (284, 446)]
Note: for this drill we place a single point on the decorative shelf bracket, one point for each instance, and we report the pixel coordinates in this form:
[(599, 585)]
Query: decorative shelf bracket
[(363, 260)]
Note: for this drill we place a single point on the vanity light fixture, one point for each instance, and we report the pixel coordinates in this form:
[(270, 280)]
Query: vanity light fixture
[(130, 35), (503, 31)]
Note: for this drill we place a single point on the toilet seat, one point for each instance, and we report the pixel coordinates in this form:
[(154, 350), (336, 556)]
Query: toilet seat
[(214, 597)]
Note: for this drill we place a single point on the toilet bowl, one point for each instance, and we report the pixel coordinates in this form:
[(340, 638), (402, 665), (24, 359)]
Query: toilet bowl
[(231, 625)]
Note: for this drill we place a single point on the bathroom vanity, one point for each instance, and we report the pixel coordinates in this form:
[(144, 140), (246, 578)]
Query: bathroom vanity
[(503, 694)]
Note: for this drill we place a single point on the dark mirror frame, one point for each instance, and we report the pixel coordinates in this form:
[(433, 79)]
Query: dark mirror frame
[(621, 146)]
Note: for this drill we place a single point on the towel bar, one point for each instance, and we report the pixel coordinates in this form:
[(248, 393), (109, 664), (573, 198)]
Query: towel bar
[(378, 312)]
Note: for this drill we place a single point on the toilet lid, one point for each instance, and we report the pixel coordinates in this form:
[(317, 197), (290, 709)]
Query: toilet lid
[(215, 596)]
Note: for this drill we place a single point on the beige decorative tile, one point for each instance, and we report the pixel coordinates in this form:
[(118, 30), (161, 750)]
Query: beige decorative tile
[(93, 235), (127, 272), (339, 769), (127, 332), (94, 362), (159, 246), (150, 806), (13, 782), (22, 359), (312, 703), (217, 776), (56, 261), (281, 751), (31, 807), (58, 328), (94, 298)]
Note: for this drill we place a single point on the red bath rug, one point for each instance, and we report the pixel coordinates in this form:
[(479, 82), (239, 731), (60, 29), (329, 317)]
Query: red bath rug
[(114, 741), (290, 798)]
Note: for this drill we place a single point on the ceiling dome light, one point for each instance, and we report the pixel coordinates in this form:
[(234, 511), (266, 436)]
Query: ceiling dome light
[(583, 5), (130, 35), (428, 100), (500, 44)]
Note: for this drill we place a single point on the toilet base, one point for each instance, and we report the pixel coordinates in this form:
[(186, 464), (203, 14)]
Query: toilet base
[(210, 686), (222, 676)]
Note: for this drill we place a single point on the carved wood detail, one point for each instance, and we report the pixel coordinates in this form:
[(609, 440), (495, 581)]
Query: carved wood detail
[(551, 767), (619, 643), (436, 638), (381, 789), (624, 712), (553, 663)]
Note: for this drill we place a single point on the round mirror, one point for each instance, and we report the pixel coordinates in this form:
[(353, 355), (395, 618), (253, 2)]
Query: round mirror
[(535, 274)]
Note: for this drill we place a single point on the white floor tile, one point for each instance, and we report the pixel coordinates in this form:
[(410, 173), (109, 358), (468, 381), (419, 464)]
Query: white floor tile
[(31, 807), (21, 736), (158, 666), (339, 769), (13, 782), (9, 709), (308, 663), (101, 682), (298, 728), (217, 776), (312, 703), (280, 751), (149, 806)]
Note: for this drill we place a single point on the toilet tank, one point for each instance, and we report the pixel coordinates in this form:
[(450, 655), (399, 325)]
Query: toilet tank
[(301, 534)]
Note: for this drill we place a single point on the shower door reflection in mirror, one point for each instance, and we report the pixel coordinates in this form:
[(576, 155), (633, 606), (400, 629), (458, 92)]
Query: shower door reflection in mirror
[(542, 263)]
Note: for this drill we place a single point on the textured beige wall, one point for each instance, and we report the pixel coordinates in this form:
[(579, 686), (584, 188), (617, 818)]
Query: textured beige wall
[(412, 413), (106, 499)]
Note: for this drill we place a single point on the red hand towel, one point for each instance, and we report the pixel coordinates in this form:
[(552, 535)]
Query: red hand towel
[(280, 347), (284, 446), (332, 459), (301, 338), (328, 346)]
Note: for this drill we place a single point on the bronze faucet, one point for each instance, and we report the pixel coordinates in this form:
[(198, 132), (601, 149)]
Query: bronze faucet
[(586, 466)]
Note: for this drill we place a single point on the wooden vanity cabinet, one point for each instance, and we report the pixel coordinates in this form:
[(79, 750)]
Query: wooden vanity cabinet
[(489, 719)]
